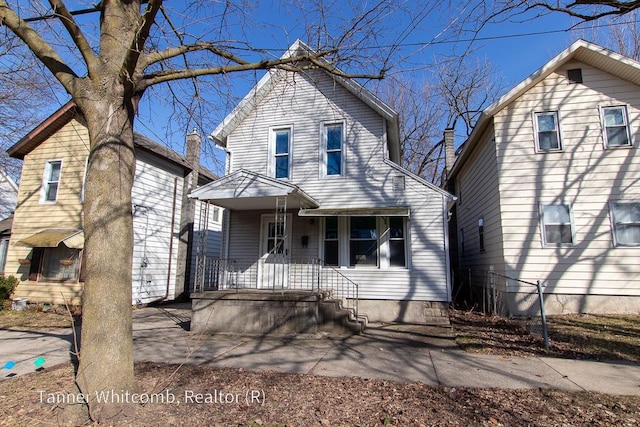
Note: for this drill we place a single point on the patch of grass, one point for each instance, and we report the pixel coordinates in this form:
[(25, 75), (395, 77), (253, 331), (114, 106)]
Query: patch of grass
[(39, 316)]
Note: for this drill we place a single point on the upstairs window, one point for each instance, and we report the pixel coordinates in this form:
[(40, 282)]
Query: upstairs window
[(625, 218), (51, 181), (280, 146), (333, 136), (557, 225), (547, 131), (615, 126)]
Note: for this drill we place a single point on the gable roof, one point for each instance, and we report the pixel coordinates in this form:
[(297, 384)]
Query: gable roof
[(581, 50), (67, 112), (245, 189), (272, 77)]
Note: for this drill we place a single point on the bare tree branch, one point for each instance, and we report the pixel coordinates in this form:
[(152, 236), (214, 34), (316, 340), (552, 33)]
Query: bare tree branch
[(40, 48), (60, 10)]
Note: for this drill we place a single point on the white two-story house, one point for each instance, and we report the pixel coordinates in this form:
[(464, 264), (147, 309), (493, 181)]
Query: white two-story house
[(314, 186), (547, 186)]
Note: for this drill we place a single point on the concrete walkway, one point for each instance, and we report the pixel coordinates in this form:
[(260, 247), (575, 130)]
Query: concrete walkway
[(399, 353)]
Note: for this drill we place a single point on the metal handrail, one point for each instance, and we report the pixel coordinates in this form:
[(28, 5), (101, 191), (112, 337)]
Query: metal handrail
[(286, 274)]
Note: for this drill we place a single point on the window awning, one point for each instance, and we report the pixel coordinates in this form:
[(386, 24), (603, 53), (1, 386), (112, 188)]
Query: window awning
[(52, 237), (385, 211)]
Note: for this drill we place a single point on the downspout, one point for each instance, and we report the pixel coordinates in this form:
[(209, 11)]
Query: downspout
[(173, 223)]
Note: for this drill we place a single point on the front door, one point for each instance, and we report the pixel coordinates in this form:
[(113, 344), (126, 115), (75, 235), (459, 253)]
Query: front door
[(275, 244)]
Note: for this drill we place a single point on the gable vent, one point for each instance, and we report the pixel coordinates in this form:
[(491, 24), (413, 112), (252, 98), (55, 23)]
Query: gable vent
[(398, 183), (574, 75)]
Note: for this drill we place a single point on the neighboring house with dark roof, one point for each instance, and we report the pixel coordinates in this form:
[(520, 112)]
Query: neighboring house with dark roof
[(47, 239), (547, 187)]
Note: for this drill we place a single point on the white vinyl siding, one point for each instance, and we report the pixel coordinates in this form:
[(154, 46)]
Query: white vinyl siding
[(155, 252)]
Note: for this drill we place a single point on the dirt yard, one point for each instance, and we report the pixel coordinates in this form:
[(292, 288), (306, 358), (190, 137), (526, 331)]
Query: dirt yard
[(194, 395)]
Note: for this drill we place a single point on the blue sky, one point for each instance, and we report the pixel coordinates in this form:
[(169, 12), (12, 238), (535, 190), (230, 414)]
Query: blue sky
[(513, 54)]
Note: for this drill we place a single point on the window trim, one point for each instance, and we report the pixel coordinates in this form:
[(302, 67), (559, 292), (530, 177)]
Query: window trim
[(481, 235), (46, 182), (272, 151), (325, 151), (614, 222), (536, 132), (625, 115), (543, 225)]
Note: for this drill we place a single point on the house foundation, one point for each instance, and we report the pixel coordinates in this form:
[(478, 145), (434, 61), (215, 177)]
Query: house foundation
[(418, 312), (268, 312)]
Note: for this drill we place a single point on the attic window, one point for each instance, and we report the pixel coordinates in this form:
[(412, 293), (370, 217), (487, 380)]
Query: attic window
[(575, 75)]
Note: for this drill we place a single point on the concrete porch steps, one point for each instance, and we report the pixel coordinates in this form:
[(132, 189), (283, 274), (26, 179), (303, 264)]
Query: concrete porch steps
[(334, 318)]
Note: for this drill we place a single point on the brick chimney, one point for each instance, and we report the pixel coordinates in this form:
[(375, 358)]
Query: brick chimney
[(187, 216), (449, 150)]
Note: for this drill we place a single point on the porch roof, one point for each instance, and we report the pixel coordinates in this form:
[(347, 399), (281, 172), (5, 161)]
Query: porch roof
[(52, 237), (246, 190)]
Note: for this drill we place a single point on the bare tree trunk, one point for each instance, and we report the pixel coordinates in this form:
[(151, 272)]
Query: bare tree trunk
[(107, 333)]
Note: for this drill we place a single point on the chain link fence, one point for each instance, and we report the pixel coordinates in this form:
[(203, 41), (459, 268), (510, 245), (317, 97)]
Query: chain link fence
[(497, 294)]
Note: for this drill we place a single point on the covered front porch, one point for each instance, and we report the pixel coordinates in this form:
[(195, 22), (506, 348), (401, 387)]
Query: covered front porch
[(270, 270)]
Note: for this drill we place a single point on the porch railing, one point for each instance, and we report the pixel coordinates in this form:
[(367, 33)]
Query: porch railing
[(277, 274)]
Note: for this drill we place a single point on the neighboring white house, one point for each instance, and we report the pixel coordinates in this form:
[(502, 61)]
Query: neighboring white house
[(8, 195), (314, 178), (547, 186), (46, 247)]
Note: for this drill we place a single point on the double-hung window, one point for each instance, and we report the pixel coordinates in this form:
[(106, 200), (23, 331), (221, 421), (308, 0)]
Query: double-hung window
[(51, 181), (547, 131), (333, 136), (625, 219), (557, 225), (615, 126), (280, 149)]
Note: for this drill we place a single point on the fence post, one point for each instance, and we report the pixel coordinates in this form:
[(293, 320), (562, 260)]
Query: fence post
[(545, 333)]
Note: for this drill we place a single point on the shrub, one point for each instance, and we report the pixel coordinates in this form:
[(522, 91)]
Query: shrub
[(7, 286)]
